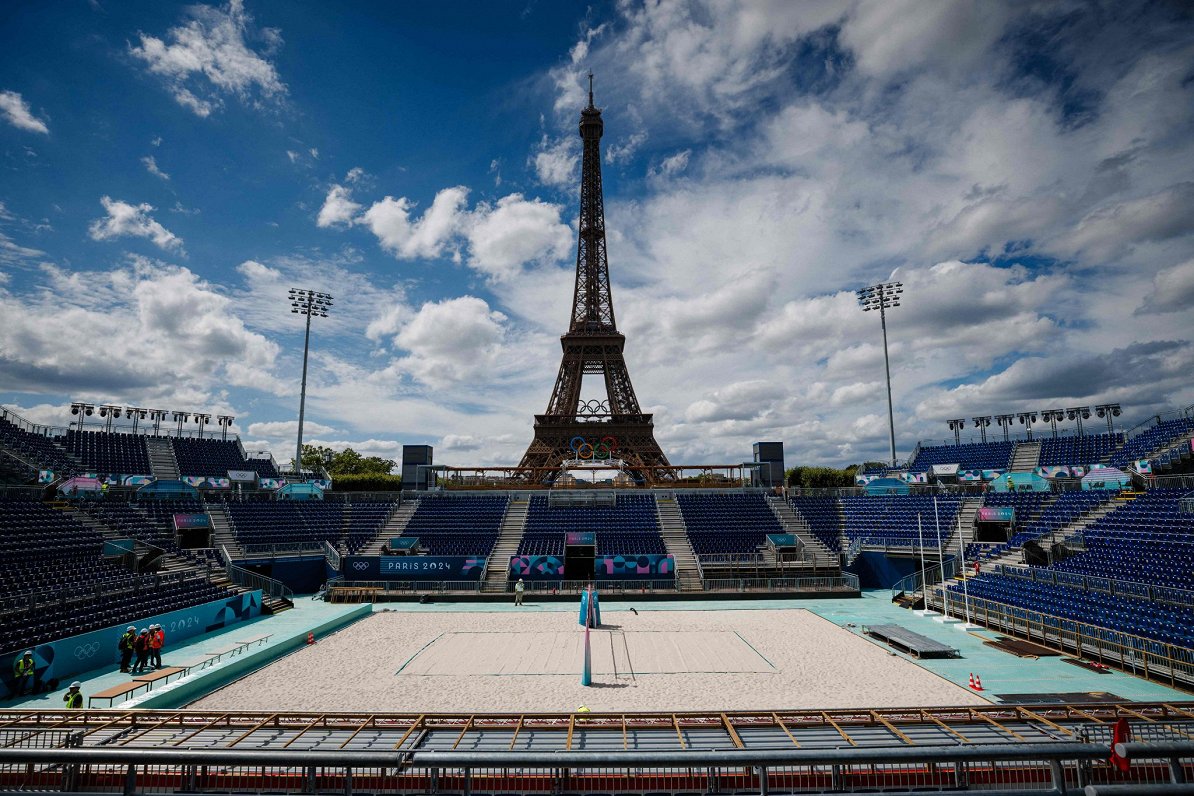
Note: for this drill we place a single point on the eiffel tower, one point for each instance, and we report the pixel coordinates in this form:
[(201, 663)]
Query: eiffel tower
[(615, 428)]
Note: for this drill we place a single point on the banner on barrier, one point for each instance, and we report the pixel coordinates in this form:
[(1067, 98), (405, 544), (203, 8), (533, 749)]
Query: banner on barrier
[(628, 567), (945, 469), (537, 567), (782, 539), (996, 514), (412, 567), (242, 475)]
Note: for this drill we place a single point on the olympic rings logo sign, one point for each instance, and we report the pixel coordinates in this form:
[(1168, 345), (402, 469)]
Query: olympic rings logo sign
[(587, 450), (360, 565), (86, 650)]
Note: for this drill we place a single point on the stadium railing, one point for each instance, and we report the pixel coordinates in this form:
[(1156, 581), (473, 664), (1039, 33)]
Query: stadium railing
[(915, 582), (283, 549), (1183, 598), (1147, 658), (1005, 768), (251, 580), (845, 582)]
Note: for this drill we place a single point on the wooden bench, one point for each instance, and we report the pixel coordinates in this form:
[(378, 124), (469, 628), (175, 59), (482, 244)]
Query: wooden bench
[(259, 640), (117, 691), (165, 673), (219, 653), (195, 663)]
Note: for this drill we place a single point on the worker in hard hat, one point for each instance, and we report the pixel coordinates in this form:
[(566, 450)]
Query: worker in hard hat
[(73, 698)]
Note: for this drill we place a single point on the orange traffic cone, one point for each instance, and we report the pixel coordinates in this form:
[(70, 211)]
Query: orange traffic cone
[(976, 683), (310, 637)]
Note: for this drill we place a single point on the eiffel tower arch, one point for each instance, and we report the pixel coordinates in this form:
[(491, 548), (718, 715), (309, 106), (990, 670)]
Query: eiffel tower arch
[(616, 427)]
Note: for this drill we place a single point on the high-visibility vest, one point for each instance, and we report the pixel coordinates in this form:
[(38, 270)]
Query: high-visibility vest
[(73, 701), (156, 640), (126, 641), (23, 668)]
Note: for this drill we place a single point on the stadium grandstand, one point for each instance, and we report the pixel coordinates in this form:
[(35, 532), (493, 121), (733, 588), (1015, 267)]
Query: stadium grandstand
[(1075, 552)]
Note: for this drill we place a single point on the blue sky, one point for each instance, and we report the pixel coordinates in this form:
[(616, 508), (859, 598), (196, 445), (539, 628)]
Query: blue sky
[(169, 170)]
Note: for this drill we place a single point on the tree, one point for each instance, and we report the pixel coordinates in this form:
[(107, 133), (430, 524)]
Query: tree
[(345, 462)]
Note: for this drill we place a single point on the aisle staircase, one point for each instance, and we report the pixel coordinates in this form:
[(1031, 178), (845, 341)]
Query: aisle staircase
[(675, 538), (394, 526), (1025, 457), (221, 531), (497, 565), (162, 463), (821, 557), (964, 524)]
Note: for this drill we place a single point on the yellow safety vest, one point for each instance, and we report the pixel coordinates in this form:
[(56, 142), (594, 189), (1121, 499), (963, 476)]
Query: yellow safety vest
[(23, 668), (73, 701)]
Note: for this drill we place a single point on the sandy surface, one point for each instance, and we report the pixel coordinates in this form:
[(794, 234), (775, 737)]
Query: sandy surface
[(665, 660)]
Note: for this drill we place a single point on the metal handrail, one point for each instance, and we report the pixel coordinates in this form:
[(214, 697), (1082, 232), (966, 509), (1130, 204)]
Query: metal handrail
[(331, 555), (252, 580)]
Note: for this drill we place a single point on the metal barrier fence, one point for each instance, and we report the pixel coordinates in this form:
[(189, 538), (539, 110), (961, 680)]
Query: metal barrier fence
[(847, 582), (1183, 598), (280, 550), (1152, 660), (1010, 768)]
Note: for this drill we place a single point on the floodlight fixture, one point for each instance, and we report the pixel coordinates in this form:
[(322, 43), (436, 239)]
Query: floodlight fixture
[(224, 422), (1005, 422), (1051, 416), (956, 425), (157, 416), (882, 297), (312, 304), (1027, 419), (137, 414), (1109, 411), (983, 423), (1078, 414), (83, 410), (109, 413), (180, 418), (202, 420)]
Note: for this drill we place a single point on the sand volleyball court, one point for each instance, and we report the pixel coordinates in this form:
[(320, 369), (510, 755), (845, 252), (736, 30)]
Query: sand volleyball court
[(656, 660)]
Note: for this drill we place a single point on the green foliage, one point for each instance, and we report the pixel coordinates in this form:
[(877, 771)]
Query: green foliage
[(367, 482), (346, 462), (821, 477)]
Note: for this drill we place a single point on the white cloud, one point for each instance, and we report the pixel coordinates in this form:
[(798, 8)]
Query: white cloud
[(151, 165), (1172, 291), (557, 162), (514, 232), (124, 219), (143, 332), (451, 341), (390, 220), (16, 111), (287, 429), (674, 164), (890, 37), (338, 208), (626, 148), (209, 56)]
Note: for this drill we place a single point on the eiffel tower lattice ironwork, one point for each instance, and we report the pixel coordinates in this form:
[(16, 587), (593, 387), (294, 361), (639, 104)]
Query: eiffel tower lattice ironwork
[(615, 428)]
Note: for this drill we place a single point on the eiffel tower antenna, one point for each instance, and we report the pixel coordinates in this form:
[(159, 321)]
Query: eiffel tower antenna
[(614, 428)]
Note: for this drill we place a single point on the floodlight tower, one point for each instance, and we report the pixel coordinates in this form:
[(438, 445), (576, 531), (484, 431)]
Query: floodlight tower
[(309, 303), (883, 297), (1026, 420), (983, 423)]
